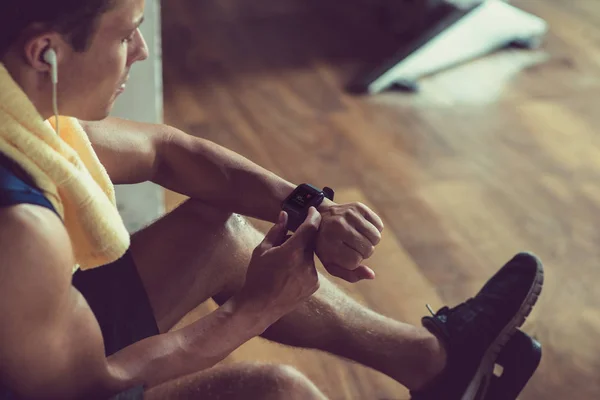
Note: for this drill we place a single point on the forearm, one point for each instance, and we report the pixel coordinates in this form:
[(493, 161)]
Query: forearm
[(196, 347), (220, 177)]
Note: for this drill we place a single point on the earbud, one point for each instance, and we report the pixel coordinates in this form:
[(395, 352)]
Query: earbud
[(50, 57)]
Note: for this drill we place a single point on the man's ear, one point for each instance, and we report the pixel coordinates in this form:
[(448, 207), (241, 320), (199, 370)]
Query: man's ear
[(35, 47)]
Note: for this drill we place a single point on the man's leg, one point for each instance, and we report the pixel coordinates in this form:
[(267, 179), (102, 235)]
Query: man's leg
[(197, 252), (239, 382)]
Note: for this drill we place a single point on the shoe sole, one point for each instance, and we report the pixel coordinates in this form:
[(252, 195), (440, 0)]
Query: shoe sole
[(485, 371)]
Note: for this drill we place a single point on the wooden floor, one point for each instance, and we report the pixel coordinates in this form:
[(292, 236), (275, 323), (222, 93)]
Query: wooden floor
[(498, 156)]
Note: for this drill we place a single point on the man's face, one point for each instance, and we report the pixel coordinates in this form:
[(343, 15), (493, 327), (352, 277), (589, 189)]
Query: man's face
[(90, 82)]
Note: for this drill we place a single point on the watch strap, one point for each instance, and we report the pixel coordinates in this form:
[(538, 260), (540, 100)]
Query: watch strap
[(329, 193), (295, 219)]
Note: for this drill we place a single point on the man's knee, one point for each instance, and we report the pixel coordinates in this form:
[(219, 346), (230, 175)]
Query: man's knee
[(197, 209), (285, 382), (213, 219), (241, 381)]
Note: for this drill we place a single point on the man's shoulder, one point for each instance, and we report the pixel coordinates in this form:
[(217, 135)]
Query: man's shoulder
[(27, 218), (30, 236)]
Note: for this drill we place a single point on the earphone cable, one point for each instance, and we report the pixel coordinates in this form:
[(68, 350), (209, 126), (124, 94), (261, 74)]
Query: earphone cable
[(55, 106)]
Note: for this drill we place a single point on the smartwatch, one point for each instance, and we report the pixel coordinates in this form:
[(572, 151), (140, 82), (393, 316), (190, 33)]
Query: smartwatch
[(296, 205)]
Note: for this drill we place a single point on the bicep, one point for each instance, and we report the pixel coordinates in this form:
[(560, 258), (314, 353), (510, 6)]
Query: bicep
[(127, 149), (50, 342)]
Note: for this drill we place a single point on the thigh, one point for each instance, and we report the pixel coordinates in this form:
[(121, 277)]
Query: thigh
[(190, 255), (239, 382)]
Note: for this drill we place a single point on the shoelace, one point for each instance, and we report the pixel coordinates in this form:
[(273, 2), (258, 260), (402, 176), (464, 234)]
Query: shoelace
[(486, 324)]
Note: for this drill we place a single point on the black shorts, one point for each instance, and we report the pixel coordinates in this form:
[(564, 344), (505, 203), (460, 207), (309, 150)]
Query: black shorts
[(119, 301)]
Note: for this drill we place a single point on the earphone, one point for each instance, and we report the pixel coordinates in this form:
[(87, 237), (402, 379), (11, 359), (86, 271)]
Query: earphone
[(49, 56)]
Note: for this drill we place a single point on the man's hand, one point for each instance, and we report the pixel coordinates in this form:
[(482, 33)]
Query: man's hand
[(348, 236), (282, 272)]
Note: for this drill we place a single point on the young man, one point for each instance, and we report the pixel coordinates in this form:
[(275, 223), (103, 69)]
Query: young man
[(107, 331)]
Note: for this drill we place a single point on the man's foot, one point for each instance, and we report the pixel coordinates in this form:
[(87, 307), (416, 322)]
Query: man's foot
[(475, 331)]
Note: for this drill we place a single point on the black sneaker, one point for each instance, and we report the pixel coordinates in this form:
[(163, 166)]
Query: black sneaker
[(475, 331)]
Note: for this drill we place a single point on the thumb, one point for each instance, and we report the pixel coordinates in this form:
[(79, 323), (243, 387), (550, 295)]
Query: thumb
[(276, 235), (307, 232)]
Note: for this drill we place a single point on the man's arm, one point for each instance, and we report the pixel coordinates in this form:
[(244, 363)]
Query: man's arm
[(134, 152), (220, 177), (51, 345), (127, 149)]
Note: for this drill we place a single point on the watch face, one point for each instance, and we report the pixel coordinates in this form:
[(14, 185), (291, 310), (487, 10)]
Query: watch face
[(304, 198)]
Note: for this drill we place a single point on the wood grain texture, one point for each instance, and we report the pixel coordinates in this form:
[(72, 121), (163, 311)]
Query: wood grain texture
[(491, 158)]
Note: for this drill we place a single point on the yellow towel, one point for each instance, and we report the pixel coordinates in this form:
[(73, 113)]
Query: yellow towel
[(68, 171)]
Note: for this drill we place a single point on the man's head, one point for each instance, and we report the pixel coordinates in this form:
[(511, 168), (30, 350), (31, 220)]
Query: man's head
[(96, 43)]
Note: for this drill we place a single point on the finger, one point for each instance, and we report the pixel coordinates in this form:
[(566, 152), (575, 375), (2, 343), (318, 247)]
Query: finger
[(357, 275), (307, 232), (345, 257), (356, 241), (367, 272), (364, 227), (370, 216), (276, 235), (337, 252)]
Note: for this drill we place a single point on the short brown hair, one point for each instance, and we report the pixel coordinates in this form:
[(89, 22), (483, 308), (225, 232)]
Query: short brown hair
[(76, 20)]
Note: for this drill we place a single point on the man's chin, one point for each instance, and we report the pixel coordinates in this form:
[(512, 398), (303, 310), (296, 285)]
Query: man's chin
[(91, 117), (102, 113), (97, 113)]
